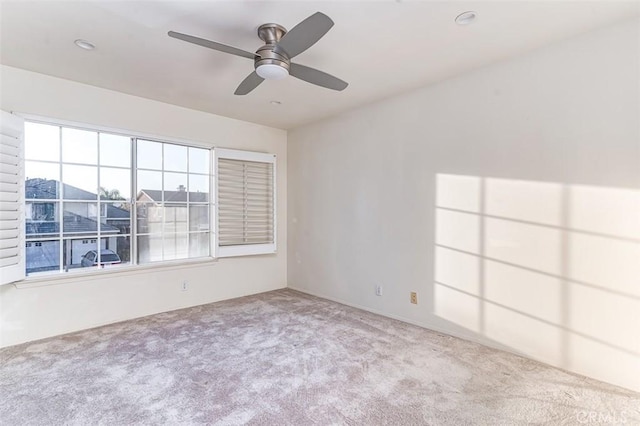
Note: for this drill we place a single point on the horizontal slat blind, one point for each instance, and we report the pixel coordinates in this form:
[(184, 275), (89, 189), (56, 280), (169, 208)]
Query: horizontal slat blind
[(245, 202), (11, 199)]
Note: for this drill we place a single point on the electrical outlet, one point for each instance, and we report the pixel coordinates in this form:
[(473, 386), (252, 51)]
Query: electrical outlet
[(185, 286), (378, 290), (414, 297)]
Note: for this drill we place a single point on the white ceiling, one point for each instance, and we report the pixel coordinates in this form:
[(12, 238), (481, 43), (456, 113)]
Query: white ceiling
[(380, 47)]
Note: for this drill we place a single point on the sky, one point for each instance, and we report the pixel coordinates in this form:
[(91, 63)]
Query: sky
[(81, 152)]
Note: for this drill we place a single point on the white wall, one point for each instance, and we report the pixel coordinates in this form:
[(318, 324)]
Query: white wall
[(507, 198), (39, 310)]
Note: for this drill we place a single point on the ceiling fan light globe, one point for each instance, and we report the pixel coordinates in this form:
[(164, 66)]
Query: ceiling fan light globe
[(272, 72)]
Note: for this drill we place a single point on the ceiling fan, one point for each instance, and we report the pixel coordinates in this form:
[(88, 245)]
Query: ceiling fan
[(273, 60)]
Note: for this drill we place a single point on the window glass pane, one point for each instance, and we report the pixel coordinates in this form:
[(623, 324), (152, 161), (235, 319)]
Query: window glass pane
[(79, 146), (199, 244), (80, 182), (175, 187), (79, 218), (149, 155), (149, 186), (175, 219), (198, 217), (79, 252), (42, 142), (42, 255), (41, 180), (115, 150), (115, 218), (149, 248), (175, 157), (199, 160), (115, 251), (42, 219), (149, 216), (199, 188), (175, 247), (115, 184)]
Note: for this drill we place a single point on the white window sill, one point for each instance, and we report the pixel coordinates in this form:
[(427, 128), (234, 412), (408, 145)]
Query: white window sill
[(74, 276), (246, 250)]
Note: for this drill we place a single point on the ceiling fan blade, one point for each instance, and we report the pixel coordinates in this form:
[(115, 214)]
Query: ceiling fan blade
[(305, 34), (317, 77), (212, 45), (252, 81)]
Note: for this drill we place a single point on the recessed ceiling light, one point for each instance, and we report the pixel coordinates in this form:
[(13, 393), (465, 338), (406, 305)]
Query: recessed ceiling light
[(466, 18), (275, 103), (84, 44)]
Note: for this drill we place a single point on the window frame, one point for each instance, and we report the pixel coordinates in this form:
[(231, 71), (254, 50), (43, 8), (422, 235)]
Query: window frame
[(133, 264)]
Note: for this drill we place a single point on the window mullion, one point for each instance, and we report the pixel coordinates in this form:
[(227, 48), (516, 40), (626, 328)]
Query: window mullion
[(188, 198), (60, 196), (163, 223), (99, 212), (133, 205)]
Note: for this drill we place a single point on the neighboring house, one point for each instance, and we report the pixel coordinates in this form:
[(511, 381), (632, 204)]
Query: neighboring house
[(79, 225), (183, 212)]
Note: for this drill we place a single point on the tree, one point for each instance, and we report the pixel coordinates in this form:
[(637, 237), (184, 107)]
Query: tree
[(113, 194)]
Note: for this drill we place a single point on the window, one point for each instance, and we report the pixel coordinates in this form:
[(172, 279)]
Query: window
[(77, 198), (246, 203), (173, 201), (92, 197), (71, 175)]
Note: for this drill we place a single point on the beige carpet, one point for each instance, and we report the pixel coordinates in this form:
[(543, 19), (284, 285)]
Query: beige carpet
[(287, 358)]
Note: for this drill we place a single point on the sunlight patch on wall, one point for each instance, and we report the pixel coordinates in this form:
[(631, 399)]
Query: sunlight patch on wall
[(523, 333), (547, 269), (458, 307), (607, 211), (605, 262), (530, 246), (525, 291), (459, 231), (459, 270), (537, 202)]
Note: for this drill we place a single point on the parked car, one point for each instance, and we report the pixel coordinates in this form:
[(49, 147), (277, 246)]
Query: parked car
[(107, 257)]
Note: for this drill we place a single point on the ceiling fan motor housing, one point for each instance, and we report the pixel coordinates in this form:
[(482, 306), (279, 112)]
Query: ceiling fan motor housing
[(269, 57)]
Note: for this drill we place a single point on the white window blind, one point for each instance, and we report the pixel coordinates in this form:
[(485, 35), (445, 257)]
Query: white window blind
[(245, 203), (12, 266)]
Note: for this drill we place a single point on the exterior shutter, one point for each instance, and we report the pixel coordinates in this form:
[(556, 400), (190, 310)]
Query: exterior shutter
[(245, 203), (12, 251)]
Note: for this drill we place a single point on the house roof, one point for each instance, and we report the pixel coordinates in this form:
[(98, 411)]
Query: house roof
[(114, 212), (174, 196), (47, 189), (73, 224), (41, 188), (38, 188)]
